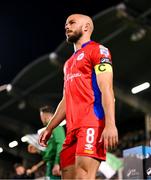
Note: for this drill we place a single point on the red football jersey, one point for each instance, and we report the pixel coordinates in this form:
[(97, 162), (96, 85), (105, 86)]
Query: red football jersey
[(82, 94)]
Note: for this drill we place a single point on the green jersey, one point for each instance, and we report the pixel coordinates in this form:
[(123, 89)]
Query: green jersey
[(52, 152), (51, 155)]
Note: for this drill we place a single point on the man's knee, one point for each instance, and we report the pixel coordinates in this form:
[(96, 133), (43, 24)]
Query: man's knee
[(86, 167), (81, 166), (68, 172)]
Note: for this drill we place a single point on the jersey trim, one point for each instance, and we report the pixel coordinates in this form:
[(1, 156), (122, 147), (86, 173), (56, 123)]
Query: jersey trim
[(98, 109)]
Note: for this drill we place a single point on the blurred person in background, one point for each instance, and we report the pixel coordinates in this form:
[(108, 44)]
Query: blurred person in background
[(32, 148), (21, 172), (51, 154)]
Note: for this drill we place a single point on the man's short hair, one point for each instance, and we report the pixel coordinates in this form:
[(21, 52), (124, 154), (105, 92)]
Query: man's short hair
[(47, 109), (16, 165)]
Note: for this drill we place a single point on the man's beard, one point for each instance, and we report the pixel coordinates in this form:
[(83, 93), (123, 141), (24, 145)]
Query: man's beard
[(75, 37)]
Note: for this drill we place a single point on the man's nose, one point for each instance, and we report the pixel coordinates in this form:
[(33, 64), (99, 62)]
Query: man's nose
[(67, 27)]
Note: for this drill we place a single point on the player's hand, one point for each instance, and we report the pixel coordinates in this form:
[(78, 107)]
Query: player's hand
[(56, 170), (43, 138), (109, 136), (28, 171)]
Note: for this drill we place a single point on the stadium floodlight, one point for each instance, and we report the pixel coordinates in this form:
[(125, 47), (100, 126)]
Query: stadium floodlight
[(140, 87), (54, 58), (9, 87), (138, 35), (24, 139), (53, 55), (1, 149), (13, 144)]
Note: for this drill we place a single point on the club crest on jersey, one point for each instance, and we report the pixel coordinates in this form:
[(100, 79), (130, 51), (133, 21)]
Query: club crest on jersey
[(80, 56)]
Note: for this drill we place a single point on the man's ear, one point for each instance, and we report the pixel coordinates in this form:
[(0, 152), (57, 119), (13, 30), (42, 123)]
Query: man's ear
[(87, 26)]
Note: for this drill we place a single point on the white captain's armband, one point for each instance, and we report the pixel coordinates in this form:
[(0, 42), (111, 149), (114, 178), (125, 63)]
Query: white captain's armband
[(103, 67)]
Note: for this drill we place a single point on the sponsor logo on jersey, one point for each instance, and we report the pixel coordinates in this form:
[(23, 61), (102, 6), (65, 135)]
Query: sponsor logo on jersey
[(71, 76), (80, 56), (106, 60), (89, 151), (88, 146)]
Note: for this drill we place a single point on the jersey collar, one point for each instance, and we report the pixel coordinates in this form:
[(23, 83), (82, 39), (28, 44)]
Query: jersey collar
[(83, 45)]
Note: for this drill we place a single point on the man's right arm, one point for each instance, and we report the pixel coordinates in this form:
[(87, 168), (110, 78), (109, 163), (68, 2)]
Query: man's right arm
[(59, 115), (57, 118)]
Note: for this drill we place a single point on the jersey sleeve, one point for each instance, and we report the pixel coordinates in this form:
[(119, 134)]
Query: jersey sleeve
[(46, 154), (100, 54)]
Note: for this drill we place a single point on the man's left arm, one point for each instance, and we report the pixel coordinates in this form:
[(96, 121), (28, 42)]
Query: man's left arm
[(104, 76)]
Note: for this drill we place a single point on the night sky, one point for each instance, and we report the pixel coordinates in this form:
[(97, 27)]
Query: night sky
[(29, 30)]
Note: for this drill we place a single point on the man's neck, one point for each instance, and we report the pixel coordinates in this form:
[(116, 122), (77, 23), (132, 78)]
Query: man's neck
[(79, 43)]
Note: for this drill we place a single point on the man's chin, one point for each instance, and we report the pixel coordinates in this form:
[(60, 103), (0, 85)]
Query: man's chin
[(45, 123), (68, 41), (71, 40)]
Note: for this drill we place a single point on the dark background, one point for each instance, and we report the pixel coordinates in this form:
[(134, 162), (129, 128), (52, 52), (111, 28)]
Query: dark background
[(29, 30)]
